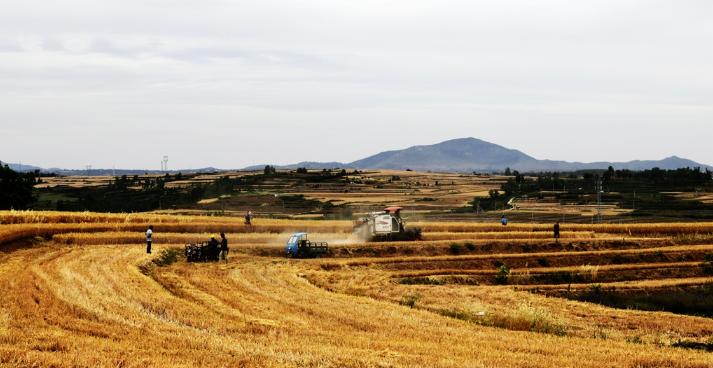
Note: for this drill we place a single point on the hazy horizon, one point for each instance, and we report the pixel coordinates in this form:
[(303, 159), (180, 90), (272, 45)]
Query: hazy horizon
[(324, 161), (233, 84)]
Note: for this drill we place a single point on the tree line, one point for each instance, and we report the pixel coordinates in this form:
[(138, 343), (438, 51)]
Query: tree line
[(16, 188), (573, 186)]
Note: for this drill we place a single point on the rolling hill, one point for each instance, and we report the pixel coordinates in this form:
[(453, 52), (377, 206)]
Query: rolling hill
[(471, 154)]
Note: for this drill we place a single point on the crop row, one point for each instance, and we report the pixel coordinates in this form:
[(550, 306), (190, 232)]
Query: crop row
[(15, 232), (143, 219), (607, 256), (557, 275), (579, 269), (508, 235), (352, 245), (630, 229), (124, 237), (621, 285)]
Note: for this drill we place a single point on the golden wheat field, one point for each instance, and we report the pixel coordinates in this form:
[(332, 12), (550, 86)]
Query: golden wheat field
[(79, 290)]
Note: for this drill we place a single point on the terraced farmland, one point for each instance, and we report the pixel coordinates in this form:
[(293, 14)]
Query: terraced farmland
[(79, 290)]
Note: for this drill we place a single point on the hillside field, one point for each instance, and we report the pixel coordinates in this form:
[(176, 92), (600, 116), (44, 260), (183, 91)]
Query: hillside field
[(79, 290), (650, 196)]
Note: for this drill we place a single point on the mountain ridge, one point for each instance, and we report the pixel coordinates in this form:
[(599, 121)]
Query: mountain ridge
[(472, 154), (455, 155)]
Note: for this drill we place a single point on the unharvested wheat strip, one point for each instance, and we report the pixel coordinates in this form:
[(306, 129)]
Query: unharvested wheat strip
[(546, 270), (632, 229), (52, 217), (481, 242), (368, 261), (9, 233), (509, 234), (239, 240), (639, 284), (172, 238), (8, 217)]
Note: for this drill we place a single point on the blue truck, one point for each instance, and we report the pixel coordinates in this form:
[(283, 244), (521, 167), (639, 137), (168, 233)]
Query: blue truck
[(298, 246)]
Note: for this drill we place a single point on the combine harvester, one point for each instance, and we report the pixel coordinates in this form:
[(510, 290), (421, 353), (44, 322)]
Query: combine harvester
[(387, 225), (298, 246)]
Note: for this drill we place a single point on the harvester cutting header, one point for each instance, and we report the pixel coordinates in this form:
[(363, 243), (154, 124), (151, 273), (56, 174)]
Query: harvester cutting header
[(386, 225)]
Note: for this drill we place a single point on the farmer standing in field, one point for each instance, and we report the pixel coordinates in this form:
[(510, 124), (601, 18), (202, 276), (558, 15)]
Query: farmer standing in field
[(557, 231), (504, 220), (149, 239), (223, 247), (213, 248)]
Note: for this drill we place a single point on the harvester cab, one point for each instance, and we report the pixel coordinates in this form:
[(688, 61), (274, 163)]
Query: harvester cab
[(387, 225), (298, 246)]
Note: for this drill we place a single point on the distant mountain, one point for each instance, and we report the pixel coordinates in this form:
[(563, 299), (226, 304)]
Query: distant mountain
[(306, 164), (128, 172), (456, 155), (21, 167), (471, 154), (465, 154), (669, 163), (103, 172)]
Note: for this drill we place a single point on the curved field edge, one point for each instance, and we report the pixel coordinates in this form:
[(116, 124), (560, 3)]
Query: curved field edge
[(73, 307), (97, 305)]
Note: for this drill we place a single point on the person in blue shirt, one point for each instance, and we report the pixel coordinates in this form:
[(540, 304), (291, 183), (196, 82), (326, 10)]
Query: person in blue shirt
[(504, 220)]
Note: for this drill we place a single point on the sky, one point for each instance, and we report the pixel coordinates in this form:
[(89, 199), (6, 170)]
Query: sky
[(235, 83)]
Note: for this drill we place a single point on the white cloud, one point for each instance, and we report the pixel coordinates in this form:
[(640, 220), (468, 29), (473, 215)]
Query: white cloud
[(252, 77)]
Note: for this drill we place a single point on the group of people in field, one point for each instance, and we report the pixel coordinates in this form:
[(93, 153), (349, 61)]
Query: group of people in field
[(555, 229), (217, 249), (213, 250)]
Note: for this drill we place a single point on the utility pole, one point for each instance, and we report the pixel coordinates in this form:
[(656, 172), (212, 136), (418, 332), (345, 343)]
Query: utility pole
[(599, 200)]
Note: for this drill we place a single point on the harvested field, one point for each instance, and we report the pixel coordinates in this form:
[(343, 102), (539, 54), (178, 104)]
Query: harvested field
[(87, 294)]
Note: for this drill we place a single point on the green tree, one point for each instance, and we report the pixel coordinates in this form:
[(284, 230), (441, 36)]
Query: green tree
[(16, 188)]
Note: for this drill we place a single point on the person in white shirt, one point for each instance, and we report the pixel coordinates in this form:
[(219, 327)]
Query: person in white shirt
[(149, 239)]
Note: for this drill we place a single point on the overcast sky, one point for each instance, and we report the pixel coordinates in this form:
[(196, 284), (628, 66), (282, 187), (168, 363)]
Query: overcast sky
[(235, 83)]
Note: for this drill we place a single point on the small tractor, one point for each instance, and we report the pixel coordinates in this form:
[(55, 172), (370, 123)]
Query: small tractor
[(298, 246), (201, 252), (387, 225)]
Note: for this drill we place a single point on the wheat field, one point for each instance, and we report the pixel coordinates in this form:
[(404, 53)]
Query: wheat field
[(80, 291)]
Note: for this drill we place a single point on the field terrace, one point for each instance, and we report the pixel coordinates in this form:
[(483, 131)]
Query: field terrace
[(79, 290)]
